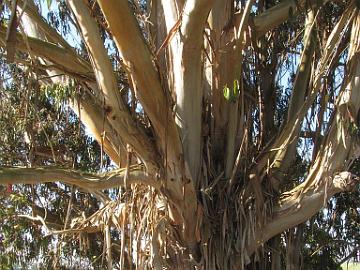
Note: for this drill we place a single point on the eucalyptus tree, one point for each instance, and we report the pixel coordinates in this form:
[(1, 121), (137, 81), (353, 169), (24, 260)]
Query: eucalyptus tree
[(226, 122)]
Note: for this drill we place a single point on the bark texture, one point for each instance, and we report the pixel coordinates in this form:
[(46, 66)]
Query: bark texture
[(199, 123)]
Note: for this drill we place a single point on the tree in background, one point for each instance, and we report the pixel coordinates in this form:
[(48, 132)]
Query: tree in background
[(179, 134)]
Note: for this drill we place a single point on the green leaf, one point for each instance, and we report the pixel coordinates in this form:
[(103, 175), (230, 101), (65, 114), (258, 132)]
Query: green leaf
[(227, 93), (232, 94), (236, 89), (49, 2)]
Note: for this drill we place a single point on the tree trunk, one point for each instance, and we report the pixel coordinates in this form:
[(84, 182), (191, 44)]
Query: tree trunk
[(208, 151)]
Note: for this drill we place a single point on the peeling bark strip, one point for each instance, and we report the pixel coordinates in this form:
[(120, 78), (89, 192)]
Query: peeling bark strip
[(278, 148), (293, 211), (137, 57), (88, 109)]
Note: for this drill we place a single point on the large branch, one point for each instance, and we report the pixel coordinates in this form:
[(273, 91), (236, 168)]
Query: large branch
[(86, 108), (340, 148), (187, 73), (117, 112), (295, 210), (29, 7), (139, 62), (153, 97), (288, 131), (286, 157), (88, 181), (194, 17), (62, 59), (67, 61), (95, 120), (278, 14)]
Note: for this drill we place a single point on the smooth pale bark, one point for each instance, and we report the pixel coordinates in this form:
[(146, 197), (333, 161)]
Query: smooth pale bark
[(304, 69), (188, 79), (296, 206), (167, 26), (87, 107), (278, 14), (186, 76), (95, 120), (301, 84), (62, 59), (89, 181), (187, 208), (153, 97), (340, 146), (116, 111), (137, 57), (51, 34)]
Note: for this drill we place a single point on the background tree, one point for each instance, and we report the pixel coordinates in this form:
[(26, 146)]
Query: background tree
[(179, 134)]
